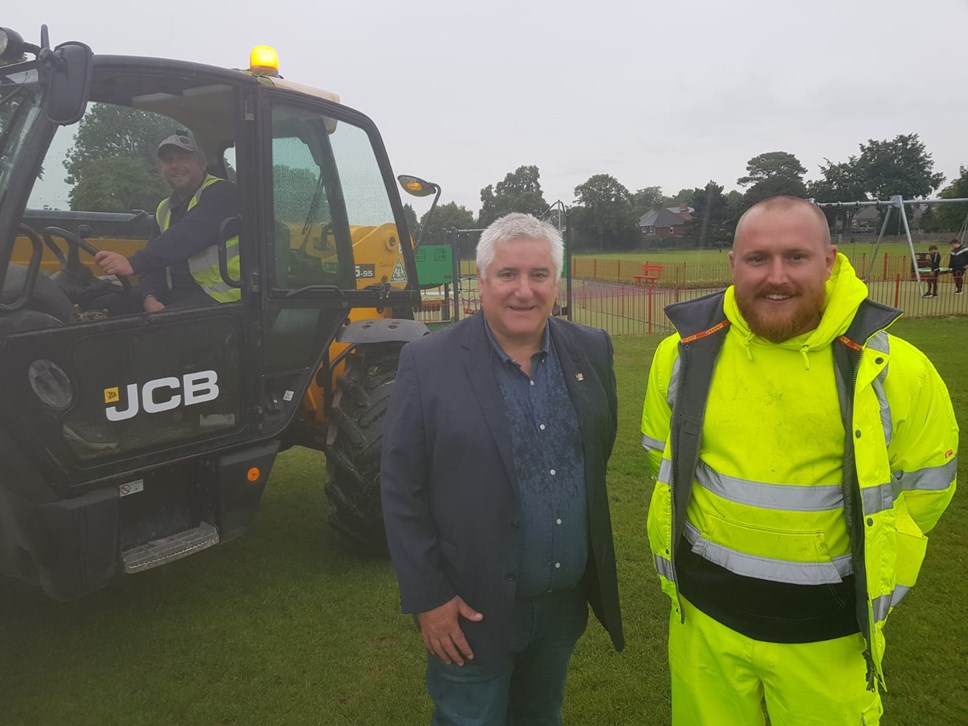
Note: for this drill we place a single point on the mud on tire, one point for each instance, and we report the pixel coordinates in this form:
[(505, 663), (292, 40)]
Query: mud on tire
[(353, 448)]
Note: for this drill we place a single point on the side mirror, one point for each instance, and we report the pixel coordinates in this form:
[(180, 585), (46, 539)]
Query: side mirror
[(417, 187), (69, 66)]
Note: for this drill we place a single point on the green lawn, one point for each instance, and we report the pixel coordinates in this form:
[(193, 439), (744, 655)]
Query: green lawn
[(280, 627)]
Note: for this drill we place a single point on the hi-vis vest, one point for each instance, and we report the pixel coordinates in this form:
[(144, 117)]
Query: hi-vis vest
[(204, 265), (888, 501)]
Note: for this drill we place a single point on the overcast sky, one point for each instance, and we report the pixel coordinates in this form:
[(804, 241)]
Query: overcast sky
[(668, 94)]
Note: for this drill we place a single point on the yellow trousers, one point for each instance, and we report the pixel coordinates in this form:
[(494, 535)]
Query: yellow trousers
[(723, 678)]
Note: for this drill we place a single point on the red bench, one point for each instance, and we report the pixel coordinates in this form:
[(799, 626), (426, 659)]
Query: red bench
[(650, 275)]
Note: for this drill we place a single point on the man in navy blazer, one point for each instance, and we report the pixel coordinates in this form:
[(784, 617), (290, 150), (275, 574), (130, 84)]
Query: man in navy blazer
[(495, 447)]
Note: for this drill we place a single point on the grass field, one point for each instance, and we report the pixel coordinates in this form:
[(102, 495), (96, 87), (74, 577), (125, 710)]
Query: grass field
[(280, 627)]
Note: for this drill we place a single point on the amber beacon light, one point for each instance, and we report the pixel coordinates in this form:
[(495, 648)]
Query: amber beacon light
[(264, 61)]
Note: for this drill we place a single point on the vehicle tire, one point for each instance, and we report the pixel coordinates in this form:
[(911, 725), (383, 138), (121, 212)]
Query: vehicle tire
[(353, 445)]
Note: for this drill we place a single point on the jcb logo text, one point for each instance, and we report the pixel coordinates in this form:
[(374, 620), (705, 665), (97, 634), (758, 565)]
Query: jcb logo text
[(161, 394)]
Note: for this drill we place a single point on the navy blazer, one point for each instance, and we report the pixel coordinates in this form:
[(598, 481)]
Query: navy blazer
[(450, 499)]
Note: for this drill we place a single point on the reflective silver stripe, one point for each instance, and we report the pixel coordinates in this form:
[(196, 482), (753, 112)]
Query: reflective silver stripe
[(882, 605), (664, 567), (931, 479), (881, 343), (783, 497), (673, 384), (665, 471), (765, 568), (877, 499), (884, 406), (650, 444)]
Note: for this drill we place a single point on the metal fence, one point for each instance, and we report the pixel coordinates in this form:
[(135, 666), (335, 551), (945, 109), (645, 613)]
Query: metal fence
[(615, 295)]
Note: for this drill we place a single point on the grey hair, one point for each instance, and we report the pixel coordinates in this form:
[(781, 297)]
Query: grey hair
[(518, 226)]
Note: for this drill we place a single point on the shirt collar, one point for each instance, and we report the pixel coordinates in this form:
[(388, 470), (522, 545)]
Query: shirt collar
[(505, 358)]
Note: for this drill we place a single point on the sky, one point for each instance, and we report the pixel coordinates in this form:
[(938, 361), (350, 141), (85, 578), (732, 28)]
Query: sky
[(661, 94)]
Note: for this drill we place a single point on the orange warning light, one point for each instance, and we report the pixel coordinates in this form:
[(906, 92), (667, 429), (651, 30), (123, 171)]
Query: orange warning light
[(253, 474)]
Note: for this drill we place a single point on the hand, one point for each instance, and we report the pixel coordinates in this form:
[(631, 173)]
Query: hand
[(441, 630), (113, 263), (152, 304)]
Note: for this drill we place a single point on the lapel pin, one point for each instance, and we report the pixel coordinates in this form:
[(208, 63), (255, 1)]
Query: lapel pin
[(580, 376)]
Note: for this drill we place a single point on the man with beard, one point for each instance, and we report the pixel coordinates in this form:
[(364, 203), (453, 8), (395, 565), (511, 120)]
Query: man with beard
[(800, 453), (179, 268)]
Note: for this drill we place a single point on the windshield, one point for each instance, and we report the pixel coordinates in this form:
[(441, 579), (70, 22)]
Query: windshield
[(20, 104)]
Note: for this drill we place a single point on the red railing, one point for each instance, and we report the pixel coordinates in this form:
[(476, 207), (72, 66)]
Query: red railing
[(626, 300)]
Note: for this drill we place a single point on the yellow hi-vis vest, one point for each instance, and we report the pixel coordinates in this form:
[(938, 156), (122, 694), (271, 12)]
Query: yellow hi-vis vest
[(898, 473), (204, 265)]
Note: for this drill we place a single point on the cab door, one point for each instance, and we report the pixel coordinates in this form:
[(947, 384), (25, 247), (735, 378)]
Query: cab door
[(334, 251)]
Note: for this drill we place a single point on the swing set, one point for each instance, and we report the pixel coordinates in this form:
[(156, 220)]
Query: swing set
[(897, 203)]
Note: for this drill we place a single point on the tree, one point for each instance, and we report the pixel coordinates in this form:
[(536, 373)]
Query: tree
[(645, 200), (950, 217), (607, 213), (115, 133), (773, 186), (410, 216), (770, 165), (901, 166), (683, 196), (293, 189), (710, 221), (519, 192), (841, 183), (118, 185), (108, 131), (444, 217)]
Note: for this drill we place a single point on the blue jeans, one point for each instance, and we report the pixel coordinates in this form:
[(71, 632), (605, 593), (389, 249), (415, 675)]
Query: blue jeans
[(530, 690)]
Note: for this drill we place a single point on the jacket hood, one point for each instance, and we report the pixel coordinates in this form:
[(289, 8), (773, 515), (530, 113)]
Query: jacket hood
[(844, 293)]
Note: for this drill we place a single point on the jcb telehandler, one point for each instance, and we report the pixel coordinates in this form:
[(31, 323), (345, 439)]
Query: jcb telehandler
[(128, 441)]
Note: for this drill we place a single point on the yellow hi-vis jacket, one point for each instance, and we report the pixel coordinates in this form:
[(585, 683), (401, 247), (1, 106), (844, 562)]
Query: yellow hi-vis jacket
[(204, 265), (892, 476)]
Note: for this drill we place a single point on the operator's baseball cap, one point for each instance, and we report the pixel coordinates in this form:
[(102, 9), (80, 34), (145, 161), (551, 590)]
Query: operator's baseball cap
[(180, 140)]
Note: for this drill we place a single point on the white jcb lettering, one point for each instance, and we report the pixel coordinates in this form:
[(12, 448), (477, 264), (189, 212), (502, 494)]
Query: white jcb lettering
[(115, 414), (197, 387), (200, 387), (148, 395)]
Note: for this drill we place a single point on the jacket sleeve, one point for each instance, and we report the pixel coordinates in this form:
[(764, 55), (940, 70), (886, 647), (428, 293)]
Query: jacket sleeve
[(924, 446), (656, 411), (191, 234), (612, 397), (405, 483)]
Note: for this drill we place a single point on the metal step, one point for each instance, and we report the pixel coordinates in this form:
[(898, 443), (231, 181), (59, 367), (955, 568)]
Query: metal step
[(167, 549)]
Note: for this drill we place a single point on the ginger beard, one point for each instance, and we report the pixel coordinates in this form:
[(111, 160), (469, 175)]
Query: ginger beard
[(779, 313)]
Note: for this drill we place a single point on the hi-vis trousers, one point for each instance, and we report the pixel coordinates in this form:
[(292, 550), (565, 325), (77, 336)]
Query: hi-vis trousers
[(722, 677)]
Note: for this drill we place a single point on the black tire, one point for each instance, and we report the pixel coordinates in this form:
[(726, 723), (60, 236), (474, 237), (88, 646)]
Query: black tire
[(353, 445)]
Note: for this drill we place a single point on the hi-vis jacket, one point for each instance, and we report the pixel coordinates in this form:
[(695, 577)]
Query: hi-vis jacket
[(873, 450), (204, 265)]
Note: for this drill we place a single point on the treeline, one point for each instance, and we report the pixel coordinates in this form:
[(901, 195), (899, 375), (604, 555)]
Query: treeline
[(606, 215)]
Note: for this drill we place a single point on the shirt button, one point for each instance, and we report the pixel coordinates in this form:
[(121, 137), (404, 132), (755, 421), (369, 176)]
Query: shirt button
[(541, 426), (552, 472), (557, 565), (532, 383), (558, 521)]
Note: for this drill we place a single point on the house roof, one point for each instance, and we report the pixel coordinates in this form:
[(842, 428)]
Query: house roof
[(665, 217)]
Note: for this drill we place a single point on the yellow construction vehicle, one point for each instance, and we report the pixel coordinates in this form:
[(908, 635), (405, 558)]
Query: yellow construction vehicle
[(132, 439)]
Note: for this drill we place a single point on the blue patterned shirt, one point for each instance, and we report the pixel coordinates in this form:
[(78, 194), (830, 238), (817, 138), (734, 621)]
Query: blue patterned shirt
[(550, 467)]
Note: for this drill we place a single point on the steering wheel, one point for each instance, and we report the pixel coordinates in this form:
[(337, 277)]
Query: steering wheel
[(71, 262)]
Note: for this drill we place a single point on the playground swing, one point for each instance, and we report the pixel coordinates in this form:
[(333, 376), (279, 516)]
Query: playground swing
[(896, 202)]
